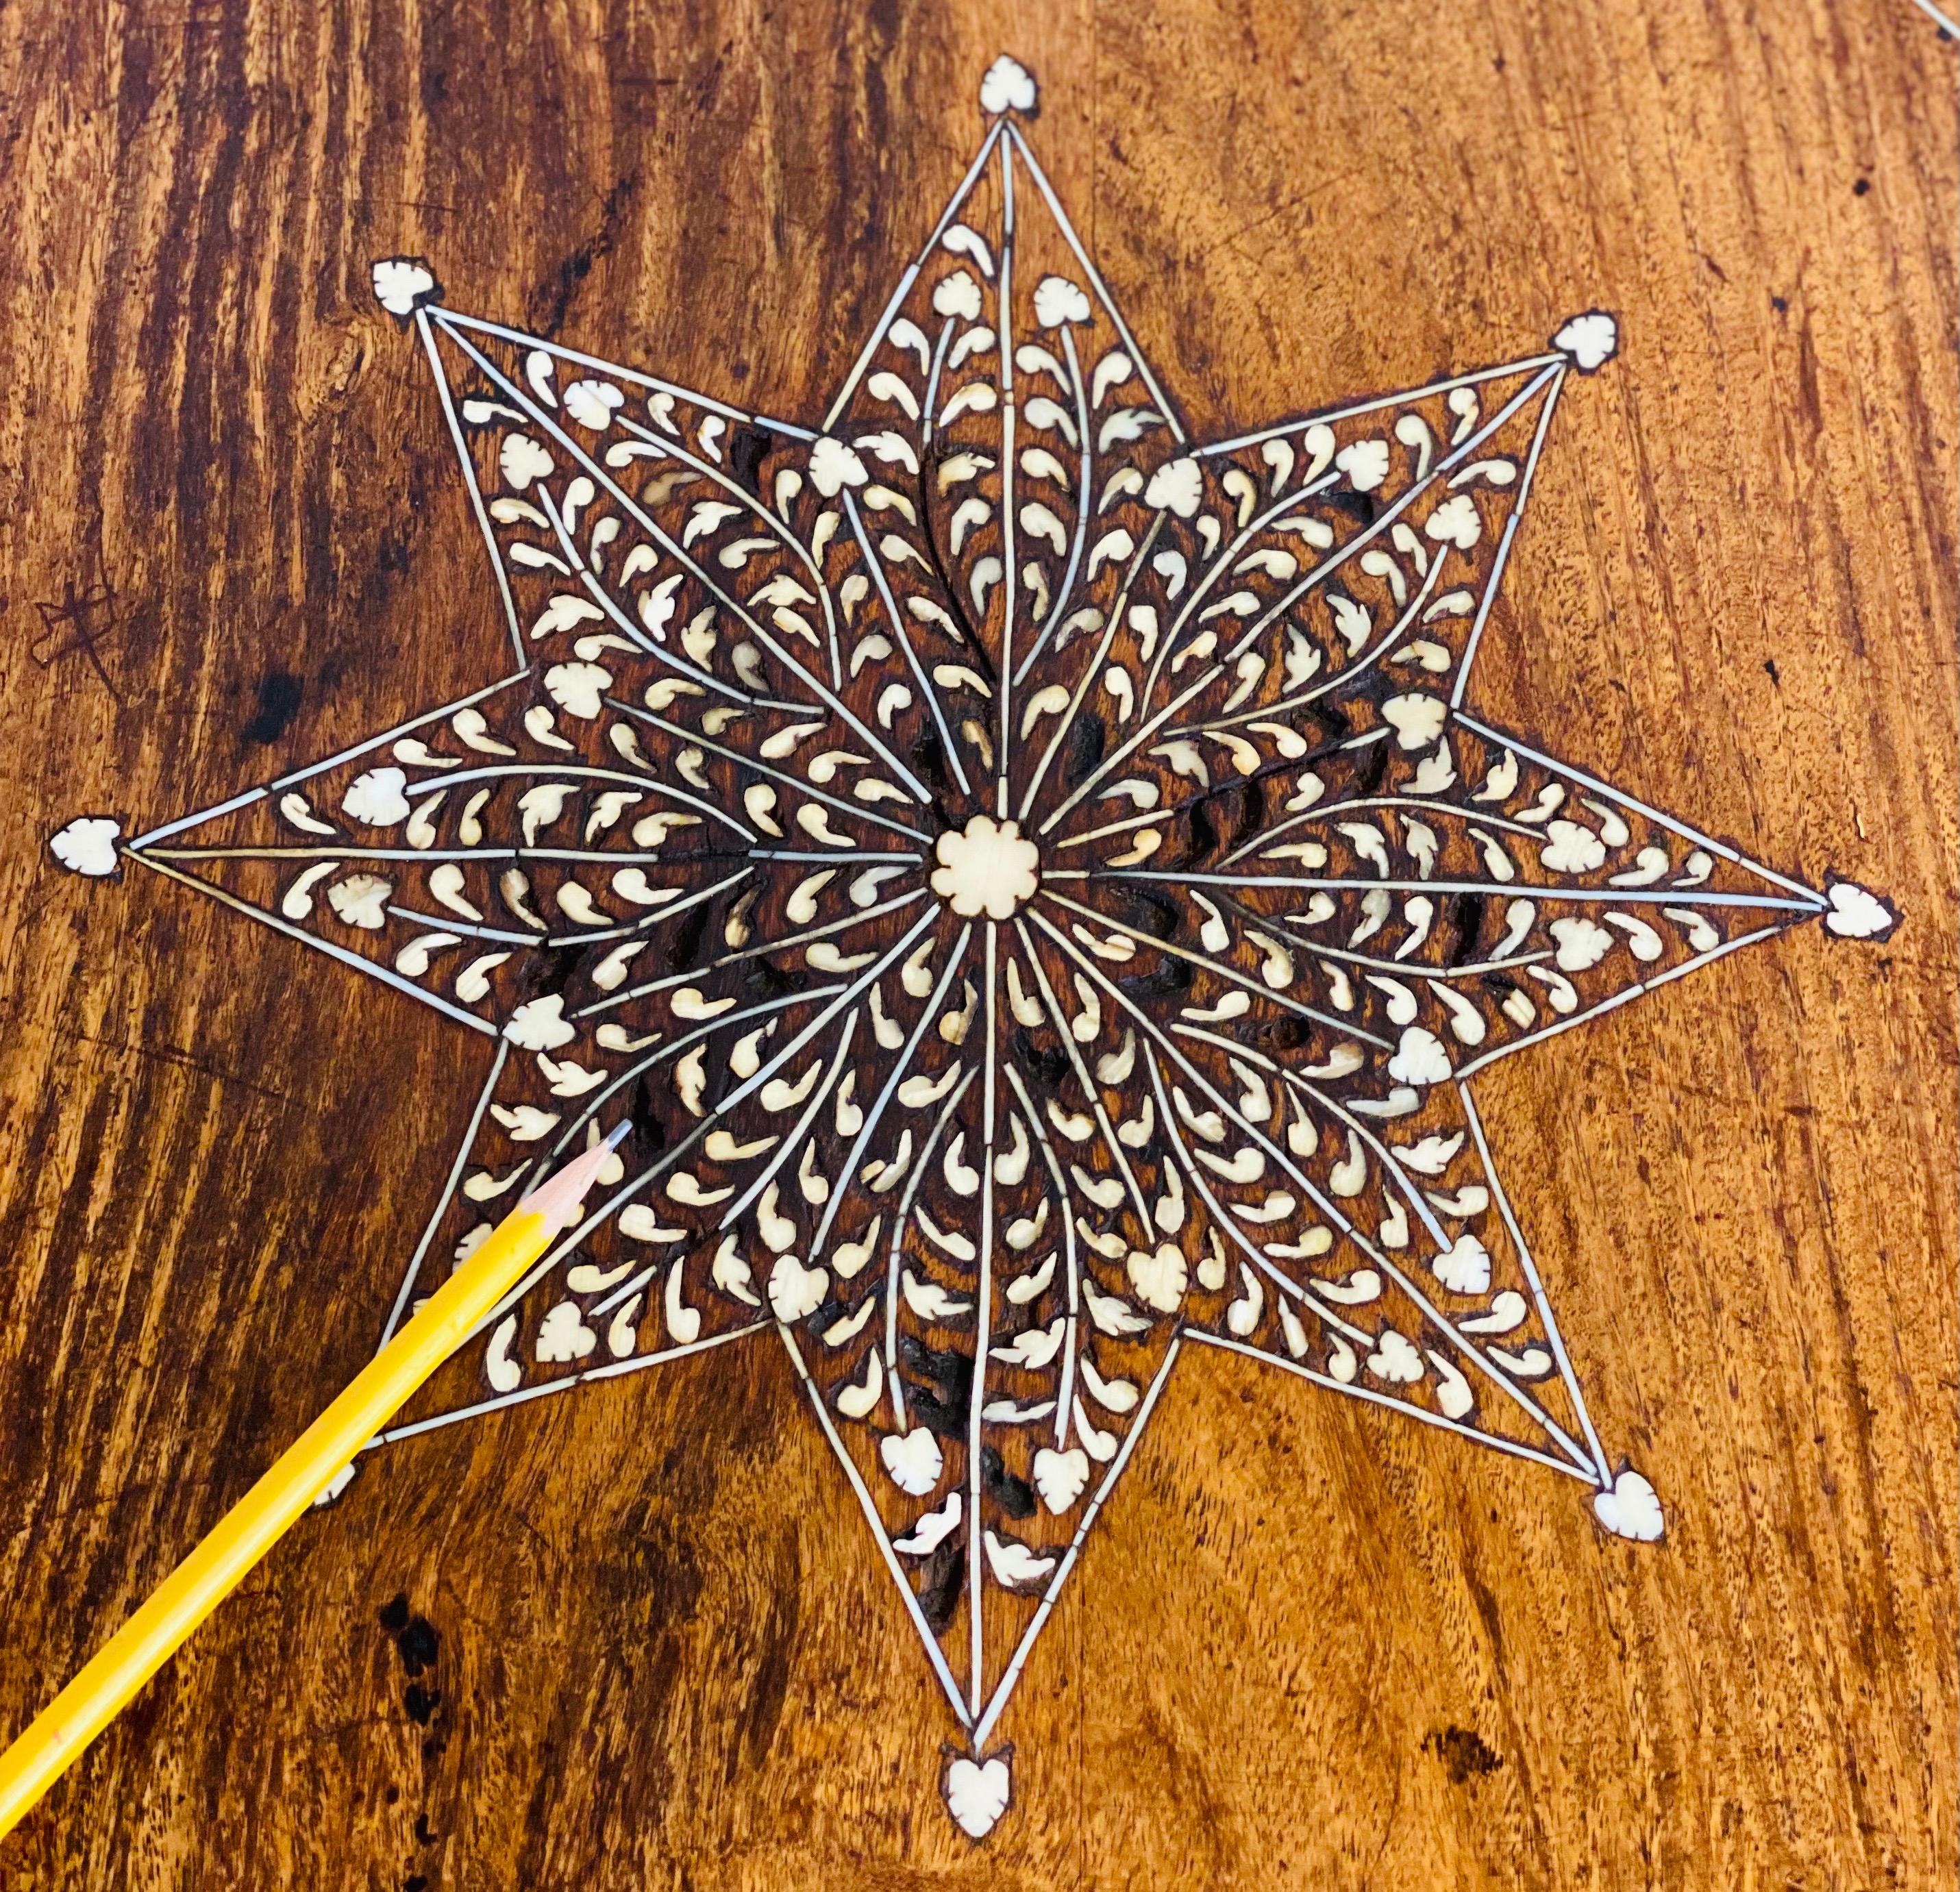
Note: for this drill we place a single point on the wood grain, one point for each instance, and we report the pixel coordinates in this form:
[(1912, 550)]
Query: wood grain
[(1308, 1647)]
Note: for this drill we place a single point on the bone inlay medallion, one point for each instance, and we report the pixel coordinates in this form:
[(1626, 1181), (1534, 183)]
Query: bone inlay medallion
[(1037, 885), (986, 867)]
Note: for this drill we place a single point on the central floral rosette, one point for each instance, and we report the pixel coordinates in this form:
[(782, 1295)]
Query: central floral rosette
[(986, 868)]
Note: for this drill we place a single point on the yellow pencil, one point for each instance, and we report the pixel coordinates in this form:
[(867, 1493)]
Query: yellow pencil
[(134, 1653)]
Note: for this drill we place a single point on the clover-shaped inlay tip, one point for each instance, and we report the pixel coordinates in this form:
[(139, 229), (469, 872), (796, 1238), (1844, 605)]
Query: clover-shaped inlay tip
[(1629, 1507), (88, 845), (1592, 340), (1008, 86), (403, 284), (977, 1793), (1856, 913)]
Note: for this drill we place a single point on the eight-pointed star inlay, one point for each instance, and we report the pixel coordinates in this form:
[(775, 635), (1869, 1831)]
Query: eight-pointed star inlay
[(1031, 883)]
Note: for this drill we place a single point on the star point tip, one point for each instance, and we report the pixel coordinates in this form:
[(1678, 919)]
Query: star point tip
[(1629, 1508), (402, 284), (88, 845), (1591, 339), (1856, 913), (336, 1487), (978, 1791), (1009, 86)]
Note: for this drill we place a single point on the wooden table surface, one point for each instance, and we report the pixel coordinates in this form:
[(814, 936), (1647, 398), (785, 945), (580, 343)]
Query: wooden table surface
[(634, 1638)]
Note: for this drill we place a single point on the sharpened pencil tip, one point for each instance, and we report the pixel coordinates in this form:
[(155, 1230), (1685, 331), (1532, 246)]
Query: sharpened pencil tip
[(558, 1197)]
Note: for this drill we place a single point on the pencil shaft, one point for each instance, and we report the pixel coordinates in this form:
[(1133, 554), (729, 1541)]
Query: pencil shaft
[(134, 1653)]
